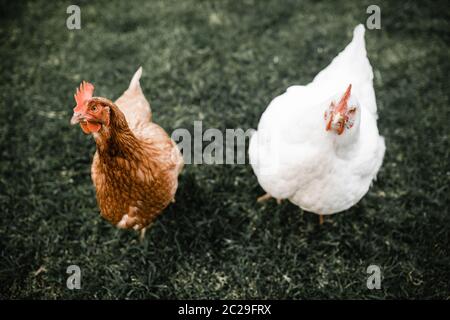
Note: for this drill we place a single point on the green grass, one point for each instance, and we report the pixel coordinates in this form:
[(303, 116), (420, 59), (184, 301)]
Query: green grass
[(222, 62)]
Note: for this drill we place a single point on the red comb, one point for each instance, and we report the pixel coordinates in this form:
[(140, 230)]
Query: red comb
[(343, 103), (84, 93)]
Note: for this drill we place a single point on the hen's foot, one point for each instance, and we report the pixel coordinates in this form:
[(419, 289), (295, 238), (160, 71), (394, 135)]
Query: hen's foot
[(267, 197)]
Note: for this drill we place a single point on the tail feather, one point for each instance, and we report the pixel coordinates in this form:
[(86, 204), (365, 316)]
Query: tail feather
[(358, 35), (134, 104), (134, 83)]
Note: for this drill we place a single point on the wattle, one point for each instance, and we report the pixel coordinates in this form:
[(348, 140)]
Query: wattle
[(90, 127)]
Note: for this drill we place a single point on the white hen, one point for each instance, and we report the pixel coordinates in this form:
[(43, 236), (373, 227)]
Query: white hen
[(318, 145)]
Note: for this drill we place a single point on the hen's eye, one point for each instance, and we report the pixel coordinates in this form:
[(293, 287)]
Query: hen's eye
[(94, 108), (352, 110)]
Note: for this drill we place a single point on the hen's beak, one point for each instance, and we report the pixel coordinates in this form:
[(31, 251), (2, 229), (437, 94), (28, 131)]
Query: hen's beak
[(76, 118), (338, 123), (337, 119)]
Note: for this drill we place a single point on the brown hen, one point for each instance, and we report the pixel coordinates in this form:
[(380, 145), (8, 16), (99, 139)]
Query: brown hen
[(136, 165)]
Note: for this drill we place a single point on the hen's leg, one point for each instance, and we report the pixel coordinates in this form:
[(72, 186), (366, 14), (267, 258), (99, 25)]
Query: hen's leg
[(142, 234), (320, 219), (264, 198), (267, 197)]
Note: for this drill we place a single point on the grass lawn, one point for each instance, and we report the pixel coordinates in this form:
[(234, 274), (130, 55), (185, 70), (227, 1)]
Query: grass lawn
[(220, 62)]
